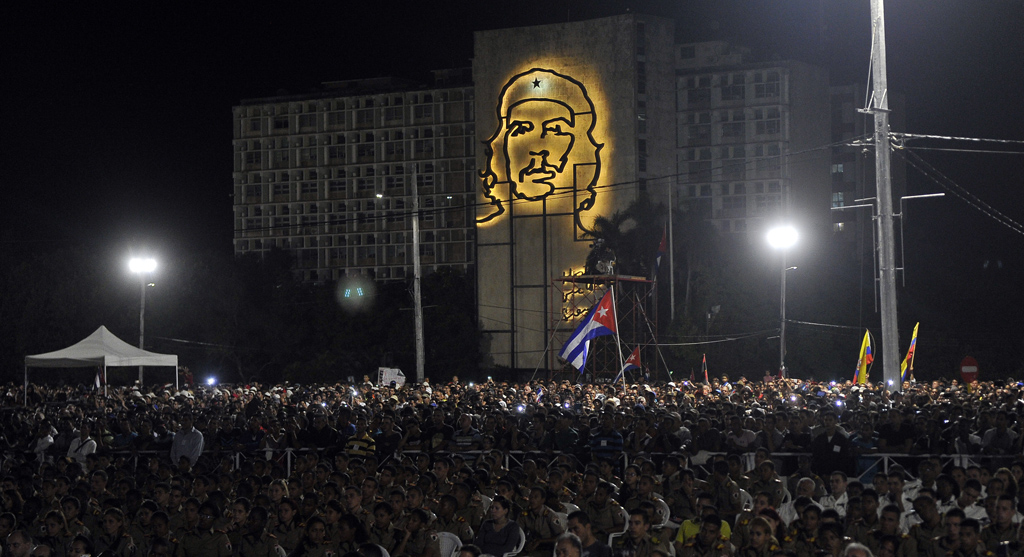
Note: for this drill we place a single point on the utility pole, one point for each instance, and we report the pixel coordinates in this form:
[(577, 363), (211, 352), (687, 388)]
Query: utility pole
[(886, 236), (417, 274), (671, 259)]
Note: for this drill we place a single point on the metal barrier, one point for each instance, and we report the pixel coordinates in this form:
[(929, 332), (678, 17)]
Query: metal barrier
[(870, 464)]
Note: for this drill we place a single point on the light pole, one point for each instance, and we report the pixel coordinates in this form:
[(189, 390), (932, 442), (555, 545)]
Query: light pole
[(782, 238), (142, 267)]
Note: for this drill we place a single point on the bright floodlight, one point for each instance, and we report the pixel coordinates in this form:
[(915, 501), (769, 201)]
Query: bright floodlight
[(782, 237), (142, 265)]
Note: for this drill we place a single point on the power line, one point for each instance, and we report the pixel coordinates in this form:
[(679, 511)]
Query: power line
[(950, 150), (566, 192), (955, 138), (955, 189)]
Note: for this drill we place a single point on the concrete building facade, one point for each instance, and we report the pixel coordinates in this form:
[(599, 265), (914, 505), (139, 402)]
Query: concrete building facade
[(553, 126), (574, 119), (753, 140), (327, 176)]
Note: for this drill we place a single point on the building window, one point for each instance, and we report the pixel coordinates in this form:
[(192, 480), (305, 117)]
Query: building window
[(281, 123), (770, 87), (335, 119), (733, 88), (838, 226), (733, 129), (307, 121), (700, 135), (769, 122), (837, 199), (837, 168), (255, 125)]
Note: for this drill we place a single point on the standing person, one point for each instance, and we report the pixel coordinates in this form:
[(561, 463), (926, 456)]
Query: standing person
[(498, 535), (187, 443), (606, 442), (831, 449), (83, 445)]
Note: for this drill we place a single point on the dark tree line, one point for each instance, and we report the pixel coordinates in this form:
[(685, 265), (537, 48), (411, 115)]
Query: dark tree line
[(238, 319)]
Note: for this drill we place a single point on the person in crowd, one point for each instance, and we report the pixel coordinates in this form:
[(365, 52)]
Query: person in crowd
[(499, 534)]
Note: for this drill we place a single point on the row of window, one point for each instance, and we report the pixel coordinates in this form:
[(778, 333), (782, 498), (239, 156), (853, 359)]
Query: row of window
[(395, 151), (736, 189), (312, 140), (730, 87), (371, 204), (358, 119), (386, 238), (351, 103)]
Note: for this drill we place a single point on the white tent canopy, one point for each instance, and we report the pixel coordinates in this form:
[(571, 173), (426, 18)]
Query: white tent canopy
[(100, 349)]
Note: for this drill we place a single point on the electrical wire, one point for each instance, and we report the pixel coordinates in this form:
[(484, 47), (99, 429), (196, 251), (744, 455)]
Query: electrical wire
[(390, 214), (955, 138), (949, 150), (958, 191)]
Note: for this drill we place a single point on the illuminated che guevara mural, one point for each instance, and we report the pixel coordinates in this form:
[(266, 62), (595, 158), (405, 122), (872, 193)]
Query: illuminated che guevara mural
[(543, 148)]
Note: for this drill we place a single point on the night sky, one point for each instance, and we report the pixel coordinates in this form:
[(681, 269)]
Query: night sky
[(117, 116)]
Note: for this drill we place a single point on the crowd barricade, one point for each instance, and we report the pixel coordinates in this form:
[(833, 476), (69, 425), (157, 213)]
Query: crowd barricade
[(786, 463)]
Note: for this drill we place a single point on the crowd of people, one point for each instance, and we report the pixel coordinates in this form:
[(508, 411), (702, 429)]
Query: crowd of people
[(759, 469)]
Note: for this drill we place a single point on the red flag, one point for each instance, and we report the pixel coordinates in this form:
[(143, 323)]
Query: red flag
[(704, 366)]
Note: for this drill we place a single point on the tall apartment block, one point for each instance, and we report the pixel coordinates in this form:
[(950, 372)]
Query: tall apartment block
[(327, 176), (752, 140)]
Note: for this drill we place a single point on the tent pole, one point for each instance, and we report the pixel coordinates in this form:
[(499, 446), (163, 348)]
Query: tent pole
[(104, 380), (26, 384)]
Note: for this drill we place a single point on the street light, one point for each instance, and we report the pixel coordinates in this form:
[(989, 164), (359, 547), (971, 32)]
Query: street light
[(782, 238), (142, 267)]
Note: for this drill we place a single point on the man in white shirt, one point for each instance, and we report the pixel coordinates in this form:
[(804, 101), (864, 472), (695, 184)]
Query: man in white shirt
[(804, 488), (968, 501), (838, 498), (187, 443), (83, 445), (43, 441)]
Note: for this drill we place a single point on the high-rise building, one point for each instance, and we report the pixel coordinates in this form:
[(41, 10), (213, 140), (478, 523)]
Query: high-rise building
[(753, 140), (554, 126), (576, 120), (327, 176)]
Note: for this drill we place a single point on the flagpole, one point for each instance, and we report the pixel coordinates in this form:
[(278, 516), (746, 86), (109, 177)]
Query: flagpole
[(618, 341)]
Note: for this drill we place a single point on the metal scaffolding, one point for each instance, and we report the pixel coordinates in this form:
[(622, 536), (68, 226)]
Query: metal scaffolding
[(636, 308)]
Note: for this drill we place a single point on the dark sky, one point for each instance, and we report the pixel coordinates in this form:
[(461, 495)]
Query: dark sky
[(117, 116)]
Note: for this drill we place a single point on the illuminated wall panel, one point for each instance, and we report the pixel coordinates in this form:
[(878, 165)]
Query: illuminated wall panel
[(557, 116)]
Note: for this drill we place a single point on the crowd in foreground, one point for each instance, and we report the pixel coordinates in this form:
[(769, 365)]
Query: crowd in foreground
[(785, 468)]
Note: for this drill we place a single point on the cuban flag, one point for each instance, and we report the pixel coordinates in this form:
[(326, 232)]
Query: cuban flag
[(632, 362), (662, 248), (599, 321)]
